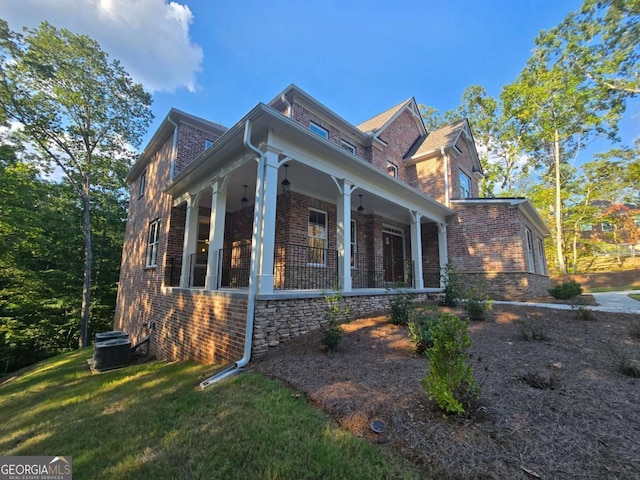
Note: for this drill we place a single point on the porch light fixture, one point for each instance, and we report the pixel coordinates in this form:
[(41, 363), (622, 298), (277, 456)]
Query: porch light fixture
[(286, 184), (360, 208), (244, 200)]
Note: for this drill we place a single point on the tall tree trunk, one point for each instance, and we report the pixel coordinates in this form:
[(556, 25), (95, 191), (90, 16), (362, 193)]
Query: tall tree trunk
[(575, 248), (88, 260), (559, 238)]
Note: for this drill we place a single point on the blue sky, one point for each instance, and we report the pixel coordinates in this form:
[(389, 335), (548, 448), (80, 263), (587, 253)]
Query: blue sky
[(217, 59)]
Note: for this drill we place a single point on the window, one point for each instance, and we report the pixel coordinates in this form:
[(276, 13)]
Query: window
[(207, 143), (152, 244), (347, 146), (541, 257), (354, 243), (317, 236), (318, 130), (606, 227), (392, 169), (142, 186), (532, 266), (465, 185), (586, 227), (636, 222)]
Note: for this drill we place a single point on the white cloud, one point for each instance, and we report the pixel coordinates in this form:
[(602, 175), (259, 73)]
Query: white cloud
[(149, 37)]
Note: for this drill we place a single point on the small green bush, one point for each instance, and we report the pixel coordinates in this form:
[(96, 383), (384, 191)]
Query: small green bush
[(420, 332), (450, 382), (401, 304), (583, 313), (566, 290), (478, 310), (332, 333), (452, 286)]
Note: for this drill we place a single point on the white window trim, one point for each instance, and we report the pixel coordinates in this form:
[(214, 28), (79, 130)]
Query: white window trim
[(609, 229), (318, 130), (348, 146), (462, 175), (529, 247), (325, 238), (152, 244), (541, 265), (394, 167)]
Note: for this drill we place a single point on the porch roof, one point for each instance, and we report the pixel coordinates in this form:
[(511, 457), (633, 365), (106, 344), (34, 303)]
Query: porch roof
[(229, 152)]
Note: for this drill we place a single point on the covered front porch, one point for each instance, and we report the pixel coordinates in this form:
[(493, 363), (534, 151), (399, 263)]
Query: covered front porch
[(300, 220)]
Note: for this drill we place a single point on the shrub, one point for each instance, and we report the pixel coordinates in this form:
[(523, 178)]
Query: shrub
[(332, 333), (629, 366), (452, 286), (401, 307), (450, 382), (478, 310), (531, 330), (584, 313), (540, 380), (566, 290), (420, 332)]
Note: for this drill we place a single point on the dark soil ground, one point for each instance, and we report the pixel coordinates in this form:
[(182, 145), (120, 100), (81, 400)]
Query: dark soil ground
[(556, 408)]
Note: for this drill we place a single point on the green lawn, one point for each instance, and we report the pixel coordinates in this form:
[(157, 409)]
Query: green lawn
[(152, 421), (612, 289), (635, 296)]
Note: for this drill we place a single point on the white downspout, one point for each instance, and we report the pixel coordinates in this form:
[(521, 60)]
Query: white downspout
[(286, 102), (447, 195), (174, 148), (253, 273)]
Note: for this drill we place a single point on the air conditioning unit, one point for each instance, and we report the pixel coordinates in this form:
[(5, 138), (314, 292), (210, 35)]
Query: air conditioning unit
[(111, 350)]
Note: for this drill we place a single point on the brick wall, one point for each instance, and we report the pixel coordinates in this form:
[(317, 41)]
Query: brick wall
[(430, 256), (463, 162), (191, 142), (512, 286), (305, 117), (399, 136)]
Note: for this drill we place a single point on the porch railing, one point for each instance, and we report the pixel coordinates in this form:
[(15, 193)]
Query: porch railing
[(235, 263), (296, 267), (300, 267), (377, 271)]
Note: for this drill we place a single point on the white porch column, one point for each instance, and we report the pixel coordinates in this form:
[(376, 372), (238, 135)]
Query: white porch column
[(216, 231), (343, 234), (416, 249), (190, 239), (442, 250), (269, 191)]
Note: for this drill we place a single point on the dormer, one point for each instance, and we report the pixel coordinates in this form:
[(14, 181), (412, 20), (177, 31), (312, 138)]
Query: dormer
[(446, 162)]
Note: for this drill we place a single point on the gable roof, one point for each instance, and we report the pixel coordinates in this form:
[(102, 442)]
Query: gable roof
[(376, 123), (444, 137)]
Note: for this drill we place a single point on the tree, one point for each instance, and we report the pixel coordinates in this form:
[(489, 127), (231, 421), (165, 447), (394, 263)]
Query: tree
[(80, 112), (558, 113), (600, 42)]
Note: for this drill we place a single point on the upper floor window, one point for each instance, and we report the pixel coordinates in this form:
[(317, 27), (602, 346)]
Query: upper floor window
[(318, 130), (207, 143), (465, 185), (606, 227), (636, 222), (142, 185), (392, 169), (317, 236), (152, 244), (347, 146), (586, 227)]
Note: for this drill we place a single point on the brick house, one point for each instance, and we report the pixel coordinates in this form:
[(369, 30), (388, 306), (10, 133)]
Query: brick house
[(242, 229)]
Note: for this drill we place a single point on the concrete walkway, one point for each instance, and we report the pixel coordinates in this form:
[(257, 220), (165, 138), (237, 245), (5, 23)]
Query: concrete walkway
[(615, 302)]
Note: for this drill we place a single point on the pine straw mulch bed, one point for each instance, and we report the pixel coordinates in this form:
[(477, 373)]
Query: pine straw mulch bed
[(580, 419)]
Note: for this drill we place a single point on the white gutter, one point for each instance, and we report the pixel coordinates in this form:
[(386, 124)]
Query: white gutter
[(174, 148), (447, 196), (256, 242), (286, 102)]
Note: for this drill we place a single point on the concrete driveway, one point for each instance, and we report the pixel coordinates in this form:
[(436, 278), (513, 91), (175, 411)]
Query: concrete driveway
[(620, 300)]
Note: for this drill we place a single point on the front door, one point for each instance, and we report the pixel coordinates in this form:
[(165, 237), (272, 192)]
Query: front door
[(393, 253)]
